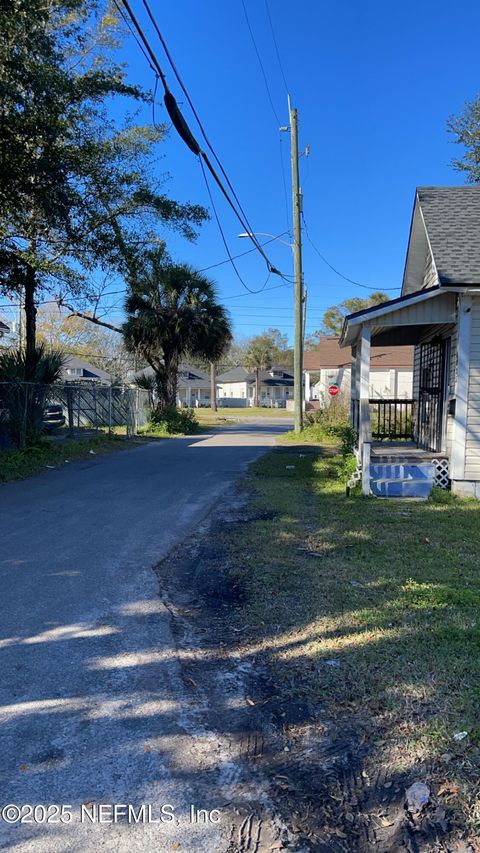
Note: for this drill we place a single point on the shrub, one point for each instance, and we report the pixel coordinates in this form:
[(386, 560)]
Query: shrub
[(25, 390), (172, 421), (333, 422)]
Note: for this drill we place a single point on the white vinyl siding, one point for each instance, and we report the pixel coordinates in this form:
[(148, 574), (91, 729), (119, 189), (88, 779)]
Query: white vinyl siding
[(472, 451)]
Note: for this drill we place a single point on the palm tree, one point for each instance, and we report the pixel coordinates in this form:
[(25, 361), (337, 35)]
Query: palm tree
[(173, 312), (25, 385), (257, 358)]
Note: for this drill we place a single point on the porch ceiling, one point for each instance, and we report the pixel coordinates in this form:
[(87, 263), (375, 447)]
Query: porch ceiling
[(403, 321)]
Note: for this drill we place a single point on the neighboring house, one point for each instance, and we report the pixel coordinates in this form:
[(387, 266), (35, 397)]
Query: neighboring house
[(237, 387), (438, 313), (77, 370), (391, 370), (193, 386)]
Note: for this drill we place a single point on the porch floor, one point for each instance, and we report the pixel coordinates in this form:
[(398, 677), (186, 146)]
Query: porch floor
[(407, 451)]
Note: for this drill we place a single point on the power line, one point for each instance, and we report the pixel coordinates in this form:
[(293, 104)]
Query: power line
[(242, 295), (265, 80), (185, 133), (224, 239), (276, 46), (272, 105), (242, 254), (337, 272), (133, 33)]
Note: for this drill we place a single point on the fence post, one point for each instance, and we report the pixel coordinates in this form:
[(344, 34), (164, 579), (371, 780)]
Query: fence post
[(69, 391), (110, 409)]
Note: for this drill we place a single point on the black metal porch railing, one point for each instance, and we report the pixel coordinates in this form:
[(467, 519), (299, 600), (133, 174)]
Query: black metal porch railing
[(391, 419)]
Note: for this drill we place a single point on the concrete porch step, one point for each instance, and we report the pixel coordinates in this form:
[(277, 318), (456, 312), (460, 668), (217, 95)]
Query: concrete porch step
[(401, 488), (401, 470), (402, 479)]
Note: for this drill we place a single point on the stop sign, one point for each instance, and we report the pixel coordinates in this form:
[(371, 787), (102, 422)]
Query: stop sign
[(333, 390)]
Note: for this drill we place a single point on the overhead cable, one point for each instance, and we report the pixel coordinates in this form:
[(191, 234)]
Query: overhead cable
[(337, 272), (186, 134)]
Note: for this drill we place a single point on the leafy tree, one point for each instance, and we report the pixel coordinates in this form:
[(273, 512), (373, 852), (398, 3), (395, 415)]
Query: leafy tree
[(258, 357), (311, 342), (173, 312), (277, 342), (334, 316), (79, 337), (466, 129), (77, 193)]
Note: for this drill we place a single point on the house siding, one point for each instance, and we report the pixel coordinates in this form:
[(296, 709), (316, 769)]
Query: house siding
[(472, 449), (440, 309), (384, 384)]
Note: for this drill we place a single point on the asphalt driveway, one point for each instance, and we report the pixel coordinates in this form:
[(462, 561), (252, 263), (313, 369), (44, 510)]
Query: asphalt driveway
[(92, 706)]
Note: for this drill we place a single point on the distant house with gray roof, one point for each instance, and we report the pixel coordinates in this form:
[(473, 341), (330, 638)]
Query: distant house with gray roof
[(236, 387), (78, 370), (438, 313), (193, 385)]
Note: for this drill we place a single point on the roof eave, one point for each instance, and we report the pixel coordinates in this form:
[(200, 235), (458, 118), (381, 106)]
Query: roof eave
[(353, 322)]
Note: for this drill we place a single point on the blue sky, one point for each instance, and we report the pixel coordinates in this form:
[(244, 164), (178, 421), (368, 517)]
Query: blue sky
[(374, 84)]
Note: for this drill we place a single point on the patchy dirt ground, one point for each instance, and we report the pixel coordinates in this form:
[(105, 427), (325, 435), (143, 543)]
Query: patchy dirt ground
[(295, 778)]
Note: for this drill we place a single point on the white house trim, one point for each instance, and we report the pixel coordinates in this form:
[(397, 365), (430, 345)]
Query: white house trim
[(364, 383), (354, 320), (459, 428)]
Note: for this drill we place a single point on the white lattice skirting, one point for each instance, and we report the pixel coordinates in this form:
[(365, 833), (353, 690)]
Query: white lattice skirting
[(441, 477), (357, 474)]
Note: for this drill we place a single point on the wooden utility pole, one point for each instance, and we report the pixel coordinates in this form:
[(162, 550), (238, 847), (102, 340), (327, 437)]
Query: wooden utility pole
[(298, 285), (213, 386)]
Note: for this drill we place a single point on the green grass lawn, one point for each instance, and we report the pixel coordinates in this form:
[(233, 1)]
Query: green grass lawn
[(373, 607), (18, 464), (249, 412)]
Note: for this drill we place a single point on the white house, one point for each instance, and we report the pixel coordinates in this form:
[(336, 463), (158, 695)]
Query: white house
[(193, 385), (439, 313), (237, 387), (391, 371)]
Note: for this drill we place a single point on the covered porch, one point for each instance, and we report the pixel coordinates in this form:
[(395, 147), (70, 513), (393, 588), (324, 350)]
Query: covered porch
[(403, 442)]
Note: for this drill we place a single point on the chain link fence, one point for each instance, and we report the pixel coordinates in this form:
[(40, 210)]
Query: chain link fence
[(28, 409)]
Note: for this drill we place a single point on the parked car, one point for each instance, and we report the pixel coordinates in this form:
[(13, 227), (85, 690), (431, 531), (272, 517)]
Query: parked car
[(53, 417)]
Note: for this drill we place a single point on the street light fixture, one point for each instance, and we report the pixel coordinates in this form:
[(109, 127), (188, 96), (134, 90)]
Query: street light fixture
[(251, 234)]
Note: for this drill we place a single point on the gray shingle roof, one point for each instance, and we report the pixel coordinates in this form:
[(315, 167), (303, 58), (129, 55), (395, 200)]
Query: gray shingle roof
[(452, 220), (188, 376), (241, 374), (237, 374), (90, 371)]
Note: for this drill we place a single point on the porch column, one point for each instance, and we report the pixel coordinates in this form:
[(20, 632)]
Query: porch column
[(459, 431), (307, 386), (354, 389), (363, 354)]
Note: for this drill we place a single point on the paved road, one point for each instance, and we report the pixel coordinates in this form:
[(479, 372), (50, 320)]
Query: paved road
[(92, 706)]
